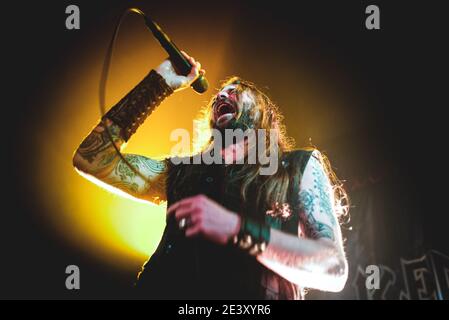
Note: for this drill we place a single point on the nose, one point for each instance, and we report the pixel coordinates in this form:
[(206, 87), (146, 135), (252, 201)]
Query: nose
[(223, 95)]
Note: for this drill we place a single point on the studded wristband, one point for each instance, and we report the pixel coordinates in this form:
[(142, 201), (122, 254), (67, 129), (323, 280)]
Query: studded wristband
[(252, 237)]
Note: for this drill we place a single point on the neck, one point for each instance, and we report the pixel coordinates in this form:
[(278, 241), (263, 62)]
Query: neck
[(234, 152)]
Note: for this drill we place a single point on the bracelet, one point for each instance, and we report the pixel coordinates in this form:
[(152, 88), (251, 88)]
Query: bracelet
[(131, 111), (252, 237)]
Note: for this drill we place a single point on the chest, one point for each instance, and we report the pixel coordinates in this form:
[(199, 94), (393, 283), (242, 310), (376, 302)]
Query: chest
[(223, 184)]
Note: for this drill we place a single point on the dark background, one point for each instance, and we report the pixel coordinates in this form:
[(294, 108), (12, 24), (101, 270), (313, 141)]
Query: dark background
[(393, 153)]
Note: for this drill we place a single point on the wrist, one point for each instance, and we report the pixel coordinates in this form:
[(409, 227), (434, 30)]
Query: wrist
[(252, 236), (167, 72), (165, 76), (236, 225)]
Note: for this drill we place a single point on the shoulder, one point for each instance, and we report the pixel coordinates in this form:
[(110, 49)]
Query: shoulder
[(308, 169), (299, 159)]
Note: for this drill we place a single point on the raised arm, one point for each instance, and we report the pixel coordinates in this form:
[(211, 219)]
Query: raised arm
[(98, 160)]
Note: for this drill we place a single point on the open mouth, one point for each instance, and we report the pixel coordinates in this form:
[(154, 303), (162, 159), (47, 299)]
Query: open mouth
[(224, 111)]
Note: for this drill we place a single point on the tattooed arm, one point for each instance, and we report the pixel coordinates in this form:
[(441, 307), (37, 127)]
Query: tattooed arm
[(97, 159), (317, 261)]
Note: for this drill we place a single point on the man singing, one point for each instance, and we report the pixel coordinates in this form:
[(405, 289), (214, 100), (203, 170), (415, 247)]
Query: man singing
[(232, 232)]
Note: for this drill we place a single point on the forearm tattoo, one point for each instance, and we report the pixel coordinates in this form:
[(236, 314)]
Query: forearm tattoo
[(99, 141), (132, 173)]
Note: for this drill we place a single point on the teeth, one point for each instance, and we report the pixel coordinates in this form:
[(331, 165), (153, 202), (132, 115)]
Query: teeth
[(227, 107), (225, 112)]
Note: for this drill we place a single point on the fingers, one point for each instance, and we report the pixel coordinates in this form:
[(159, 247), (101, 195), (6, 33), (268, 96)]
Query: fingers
[(185, 54), (193, 230), (176, 205), (185, 212), (183, 208), (196, 67), (187, 209), (189, 58), (194, 72)]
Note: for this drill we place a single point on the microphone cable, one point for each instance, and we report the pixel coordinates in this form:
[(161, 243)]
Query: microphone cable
[(103, 83)]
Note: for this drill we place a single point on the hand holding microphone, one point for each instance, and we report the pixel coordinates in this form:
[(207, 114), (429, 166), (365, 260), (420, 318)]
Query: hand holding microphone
[(187, 71), (178, 81)]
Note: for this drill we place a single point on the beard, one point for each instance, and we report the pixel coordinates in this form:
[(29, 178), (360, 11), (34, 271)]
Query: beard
[(244, 122)]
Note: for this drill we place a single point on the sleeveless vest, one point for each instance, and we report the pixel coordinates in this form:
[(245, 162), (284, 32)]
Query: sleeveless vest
[(194, 268)]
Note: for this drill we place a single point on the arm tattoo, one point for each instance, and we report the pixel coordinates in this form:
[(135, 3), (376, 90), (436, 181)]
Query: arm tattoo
[(322, 189), (316, 200), (124, 178), (149, 166), (313, 228), (97, 154), (99, 141), (317, 221), (105, 164)]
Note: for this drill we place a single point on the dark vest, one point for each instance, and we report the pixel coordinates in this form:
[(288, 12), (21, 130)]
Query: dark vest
[(195, 268)]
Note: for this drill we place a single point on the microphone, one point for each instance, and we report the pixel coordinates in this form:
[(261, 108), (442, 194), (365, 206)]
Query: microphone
[(181, 64)]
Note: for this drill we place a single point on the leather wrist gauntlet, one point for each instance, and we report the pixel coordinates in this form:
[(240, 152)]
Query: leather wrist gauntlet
[(131, 111), (252, 237)]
